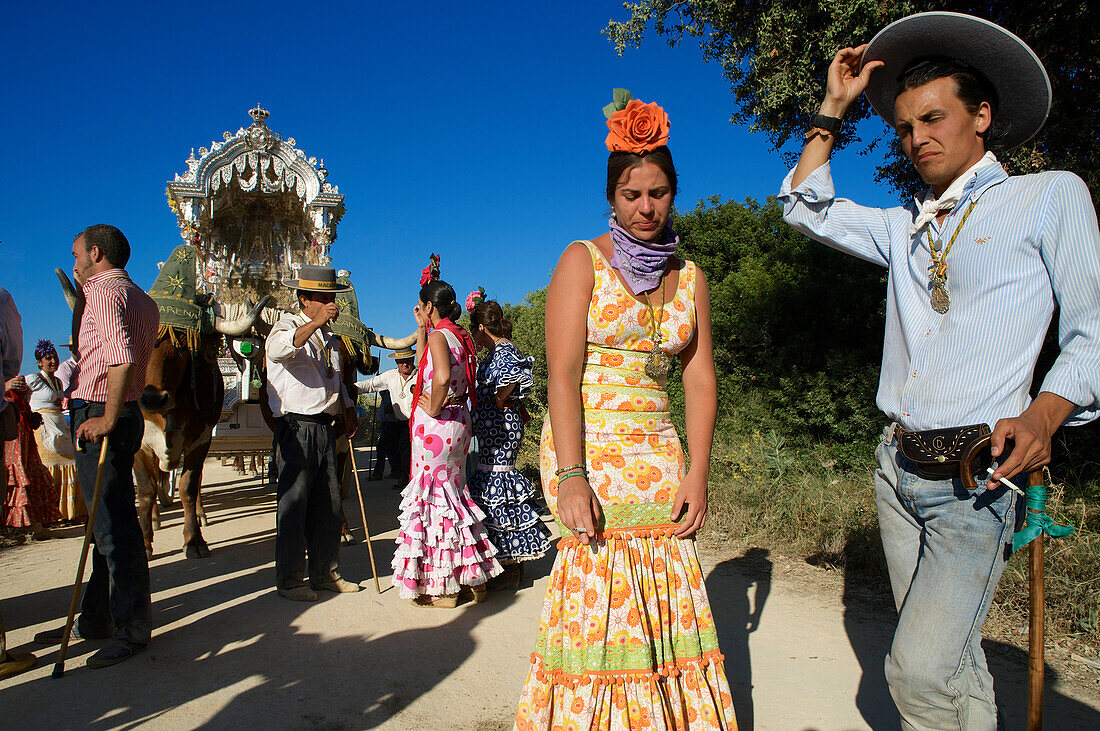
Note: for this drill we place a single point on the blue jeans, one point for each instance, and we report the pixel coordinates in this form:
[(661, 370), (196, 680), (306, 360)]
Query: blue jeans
[(945, 550), (117, 592)]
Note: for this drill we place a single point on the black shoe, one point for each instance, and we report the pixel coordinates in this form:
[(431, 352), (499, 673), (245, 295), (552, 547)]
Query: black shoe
[(53, 636), (114, 652)]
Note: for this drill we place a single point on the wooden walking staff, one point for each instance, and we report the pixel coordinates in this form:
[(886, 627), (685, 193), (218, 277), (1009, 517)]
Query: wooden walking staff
[(362, 507), (1037, 525), (1036, 607), (59, 666), (366, 528)]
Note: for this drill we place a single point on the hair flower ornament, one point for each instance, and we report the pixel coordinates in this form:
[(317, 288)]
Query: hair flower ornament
[(431, 271), (634, 125), (43, 348), (475, 298)]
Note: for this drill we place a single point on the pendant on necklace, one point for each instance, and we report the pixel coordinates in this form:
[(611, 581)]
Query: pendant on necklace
[(940, 299), (657, 364), (330, 372)]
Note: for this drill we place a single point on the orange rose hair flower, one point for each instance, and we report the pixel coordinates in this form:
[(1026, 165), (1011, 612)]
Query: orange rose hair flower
[(634, 125)]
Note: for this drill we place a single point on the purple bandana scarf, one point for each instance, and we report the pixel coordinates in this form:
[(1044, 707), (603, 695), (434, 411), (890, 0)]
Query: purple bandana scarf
[(641, 262)]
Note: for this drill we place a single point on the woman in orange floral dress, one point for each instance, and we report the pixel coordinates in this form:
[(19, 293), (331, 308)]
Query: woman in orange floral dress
[(626, 639)]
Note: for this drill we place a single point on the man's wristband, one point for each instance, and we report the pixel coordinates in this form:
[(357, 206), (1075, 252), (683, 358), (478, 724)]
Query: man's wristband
[(825, 122)]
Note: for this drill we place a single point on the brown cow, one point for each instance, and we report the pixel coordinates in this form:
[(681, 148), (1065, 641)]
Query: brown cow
[(182, 402)]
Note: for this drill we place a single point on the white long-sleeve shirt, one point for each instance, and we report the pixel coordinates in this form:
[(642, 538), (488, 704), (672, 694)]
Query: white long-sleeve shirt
[(399, 388), (297, 378)]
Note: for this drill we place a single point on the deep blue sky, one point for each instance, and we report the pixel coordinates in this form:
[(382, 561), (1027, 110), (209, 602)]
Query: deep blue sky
[(470, 130)]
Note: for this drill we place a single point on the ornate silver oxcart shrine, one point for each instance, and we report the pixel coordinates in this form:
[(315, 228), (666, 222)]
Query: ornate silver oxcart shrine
[(256, 208)]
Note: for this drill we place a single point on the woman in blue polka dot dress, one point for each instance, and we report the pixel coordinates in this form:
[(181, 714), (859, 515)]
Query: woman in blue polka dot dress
[(499, 489)]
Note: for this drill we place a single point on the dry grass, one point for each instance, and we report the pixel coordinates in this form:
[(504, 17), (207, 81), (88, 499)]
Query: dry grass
[(799, 503)]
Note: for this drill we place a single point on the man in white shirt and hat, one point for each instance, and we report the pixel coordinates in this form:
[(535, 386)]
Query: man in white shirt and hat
[(393, 441), (307, 398), (976, 266)]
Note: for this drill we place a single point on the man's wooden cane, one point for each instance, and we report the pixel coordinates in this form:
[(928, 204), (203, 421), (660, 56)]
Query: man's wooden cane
[(1037, 620), (1036, 579), (59, 666), (363, 510)]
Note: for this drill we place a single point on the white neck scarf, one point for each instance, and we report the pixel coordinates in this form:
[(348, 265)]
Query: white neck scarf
[(931, 207)]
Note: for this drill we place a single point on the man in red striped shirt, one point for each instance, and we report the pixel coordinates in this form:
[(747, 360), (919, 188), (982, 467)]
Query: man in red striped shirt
[(116, 336)]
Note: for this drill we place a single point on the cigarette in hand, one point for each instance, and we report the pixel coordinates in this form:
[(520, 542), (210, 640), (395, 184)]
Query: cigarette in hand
[(1006, 481)]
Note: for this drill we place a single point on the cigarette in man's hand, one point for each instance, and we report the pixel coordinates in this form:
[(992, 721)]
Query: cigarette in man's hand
[(1006, 481)]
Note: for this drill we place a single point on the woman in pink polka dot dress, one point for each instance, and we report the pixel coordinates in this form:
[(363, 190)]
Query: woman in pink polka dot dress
[(442, 545)]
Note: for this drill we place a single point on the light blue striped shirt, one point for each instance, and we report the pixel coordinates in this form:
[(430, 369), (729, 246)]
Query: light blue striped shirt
[(1031, 241)]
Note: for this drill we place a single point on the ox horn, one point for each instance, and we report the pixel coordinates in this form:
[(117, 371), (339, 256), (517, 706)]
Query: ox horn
[(67, 288), (382, 341), (238, 327)]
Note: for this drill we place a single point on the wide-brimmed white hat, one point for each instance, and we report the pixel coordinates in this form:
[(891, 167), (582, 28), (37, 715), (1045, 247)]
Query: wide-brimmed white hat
[(1016, 73)]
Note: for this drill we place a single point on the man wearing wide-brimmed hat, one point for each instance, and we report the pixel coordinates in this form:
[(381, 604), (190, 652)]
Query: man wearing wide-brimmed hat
[(976, 265), (393, 441), (307, 398)]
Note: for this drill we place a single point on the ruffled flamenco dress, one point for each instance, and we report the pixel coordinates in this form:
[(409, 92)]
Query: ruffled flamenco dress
[(33, 498), (626, 639), (442, 544), (503, 493)]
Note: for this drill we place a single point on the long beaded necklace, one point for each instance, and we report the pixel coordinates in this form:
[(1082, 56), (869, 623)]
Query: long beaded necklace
[(940, 298), (658, 362)]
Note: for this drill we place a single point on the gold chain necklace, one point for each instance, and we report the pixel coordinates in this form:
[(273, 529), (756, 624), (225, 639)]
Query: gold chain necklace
[(658, 362), (940, 298)]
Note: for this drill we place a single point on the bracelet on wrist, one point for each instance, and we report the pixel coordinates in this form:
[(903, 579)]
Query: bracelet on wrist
[(826, 123), (571, 474), (815, 132), (578, 466)]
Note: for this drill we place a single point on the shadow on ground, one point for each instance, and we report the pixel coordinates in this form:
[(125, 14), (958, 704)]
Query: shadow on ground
[(744, 584), (870, 619), (234, 644)]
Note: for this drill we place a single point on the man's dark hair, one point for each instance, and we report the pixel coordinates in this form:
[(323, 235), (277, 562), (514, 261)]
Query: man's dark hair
[(111, 242), (308, 294), (971, 87)]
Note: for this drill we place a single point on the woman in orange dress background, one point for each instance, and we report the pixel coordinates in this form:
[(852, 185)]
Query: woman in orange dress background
[(626, 639)]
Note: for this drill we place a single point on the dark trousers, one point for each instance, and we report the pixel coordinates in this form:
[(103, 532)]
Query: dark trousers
[(393, 444), (309, 513), (118, 589)]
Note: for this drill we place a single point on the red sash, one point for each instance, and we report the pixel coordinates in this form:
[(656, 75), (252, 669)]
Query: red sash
[(470, 363)]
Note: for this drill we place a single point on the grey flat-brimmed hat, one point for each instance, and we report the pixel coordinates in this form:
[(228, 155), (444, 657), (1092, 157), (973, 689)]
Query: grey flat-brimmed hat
[(403, 354), (1016, 73), (316, 279)]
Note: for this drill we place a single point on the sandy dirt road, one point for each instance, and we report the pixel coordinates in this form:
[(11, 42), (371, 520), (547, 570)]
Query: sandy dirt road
[(227, 652)]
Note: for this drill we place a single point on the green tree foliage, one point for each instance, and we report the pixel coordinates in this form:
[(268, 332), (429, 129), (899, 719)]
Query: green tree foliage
[(797, 326), (529, 335), (775, 57)]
